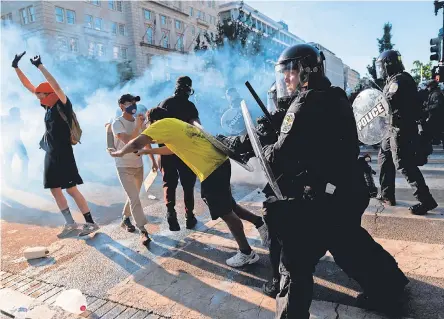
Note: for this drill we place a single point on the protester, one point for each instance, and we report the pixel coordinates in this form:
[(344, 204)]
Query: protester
[(211, 167), (60, 169), (130, 167)]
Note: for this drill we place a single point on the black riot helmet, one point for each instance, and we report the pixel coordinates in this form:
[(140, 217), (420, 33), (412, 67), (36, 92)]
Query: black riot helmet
[(388, 63), (306, 60)]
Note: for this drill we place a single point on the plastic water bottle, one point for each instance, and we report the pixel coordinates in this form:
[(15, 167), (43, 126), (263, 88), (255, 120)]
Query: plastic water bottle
[(72, 301), (21, 313)]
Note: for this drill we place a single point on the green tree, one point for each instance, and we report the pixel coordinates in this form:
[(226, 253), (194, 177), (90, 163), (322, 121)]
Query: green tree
[(421, 71), (384, 43)]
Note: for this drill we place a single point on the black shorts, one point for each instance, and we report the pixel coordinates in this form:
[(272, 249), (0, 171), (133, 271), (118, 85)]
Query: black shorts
[(216, 191), (60, 169)]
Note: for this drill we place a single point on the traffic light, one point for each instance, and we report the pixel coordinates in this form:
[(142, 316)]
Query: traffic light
[(435, 48)]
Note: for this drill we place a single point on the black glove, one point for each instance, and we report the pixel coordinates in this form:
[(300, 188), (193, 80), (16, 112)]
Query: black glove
[(36, 61), (17, 59)]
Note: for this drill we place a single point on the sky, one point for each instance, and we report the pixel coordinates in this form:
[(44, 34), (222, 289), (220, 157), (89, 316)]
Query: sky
[(350, 28)]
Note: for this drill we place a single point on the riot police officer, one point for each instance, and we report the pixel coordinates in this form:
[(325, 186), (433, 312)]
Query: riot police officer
[(434, 108), (324, 196), (173, 167), (399, 147)]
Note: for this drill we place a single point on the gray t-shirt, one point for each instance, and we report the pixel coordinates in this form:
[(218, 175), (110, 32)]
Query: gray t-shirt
[(121, 125)]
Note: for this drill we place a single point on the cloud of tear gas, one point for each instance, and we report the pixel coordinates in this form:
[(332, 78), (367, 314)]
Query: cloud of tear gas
[(94, 88)]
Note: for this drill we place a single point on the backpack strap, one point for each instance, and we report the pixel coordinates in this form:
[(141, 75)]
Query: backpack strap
[(63, 116)]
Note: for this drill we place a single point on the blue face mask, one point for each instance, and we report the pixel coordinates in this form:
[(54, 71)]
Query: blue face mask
[(132, 109)]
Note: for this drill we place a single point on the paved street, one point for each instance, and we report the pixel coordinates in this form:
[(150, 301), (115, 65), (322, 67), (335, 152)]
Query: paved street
[(183, 274)]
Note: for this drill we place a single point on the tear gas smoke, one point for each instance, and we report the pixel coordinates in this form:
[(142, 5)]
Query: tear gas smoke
[(94, 91)]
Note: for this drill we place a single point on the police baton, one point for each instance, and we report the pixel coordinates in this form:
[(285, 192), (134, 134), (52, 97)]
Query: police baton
[(261, 104)]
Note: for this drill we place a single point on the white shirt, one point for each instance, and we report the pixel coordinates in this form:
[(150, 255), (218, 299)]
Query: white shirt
[(121, 125)]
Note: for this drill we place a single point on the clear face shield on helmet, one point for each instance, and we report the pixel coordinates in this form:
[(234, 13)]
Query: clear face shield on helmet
[(381, 72), (287, 78), (272, 99)]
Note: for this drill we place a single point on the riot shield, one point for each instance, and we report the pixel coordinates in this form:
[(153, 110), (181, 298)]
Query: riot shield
[(223, 148), (371, 110), (257, 148), (232, 122)]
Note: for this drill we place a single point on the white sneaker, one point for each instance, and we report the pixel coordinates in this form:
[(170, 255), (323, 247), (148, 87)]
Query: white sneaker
[(241, 259), (88, 228), (67, 229), (263, 233)]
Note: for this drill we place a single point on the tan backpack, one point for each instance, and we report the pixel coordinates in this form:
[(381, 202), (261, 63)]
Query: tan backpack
[(74, 127)]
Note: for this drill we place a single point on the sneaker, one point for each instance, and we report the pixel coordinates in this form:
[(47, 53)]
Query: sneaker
[(88, 228), (67, 229), (173, 223), (144, 238), (422, 209), (241, 259), (263, 233), (386, 201), (126, 223), (271, 288), (191, 222)]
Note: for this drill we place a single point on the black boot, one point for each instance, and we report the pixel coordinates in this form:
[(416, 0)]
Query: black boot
[(423, 208), (126, 223), (172, 221), (191, 221), (271, 288)]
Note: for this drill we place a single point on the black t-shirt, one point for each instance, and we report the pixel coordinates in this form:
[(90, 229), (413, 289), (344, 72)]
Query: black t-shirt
[(180, 108), (57, 135)]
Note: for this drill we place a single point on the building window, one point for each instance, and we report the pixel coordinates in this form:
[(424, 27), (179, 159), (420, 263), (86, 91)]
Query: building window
[(149, 34), (27, 15), (148, 59), (123, 53), (62, 43), (111, 5), (203, 16), (91, 46), (98, 23), (180, 42), (31, 13), (7, 19), (191, 11), (147, 14), (88, 21), (193, 30), (95, 2), (119, 5), (73, 45), (178, 24), (70, 17), (116, 52), (213, 4), (198, 14), (114, 28), (165, 39), (163, 20), (100, 50), (122, 29)]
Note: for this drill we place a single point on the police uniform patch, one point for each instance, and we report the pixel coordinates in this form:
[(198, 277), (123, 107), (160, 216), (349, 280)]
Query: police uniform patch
[(393, 87), (287, 123)]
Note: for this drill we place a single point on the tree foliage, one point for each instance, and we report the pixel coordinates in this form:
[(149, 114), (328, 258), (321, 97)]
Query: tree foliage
[(384, 43), (421, 71)]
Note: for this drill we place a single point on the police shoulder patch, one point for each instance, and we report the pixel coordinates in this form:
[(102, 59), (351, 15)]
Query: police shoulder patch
[(393, 87), (287, 123)]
